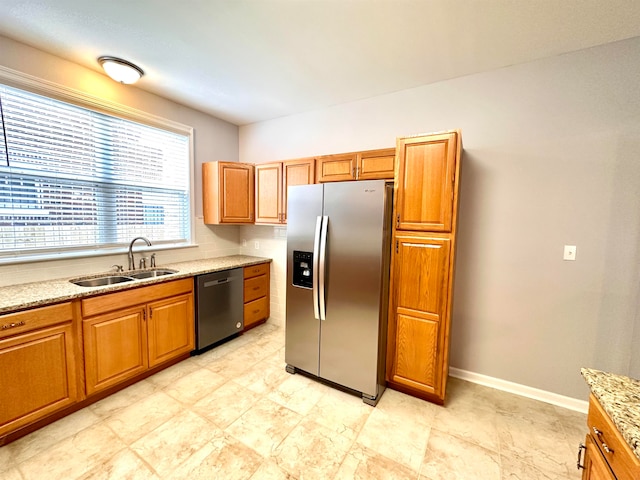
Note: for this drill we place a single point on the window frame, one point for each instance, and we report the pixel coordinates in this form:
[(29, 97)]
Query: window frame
[(82, 99)]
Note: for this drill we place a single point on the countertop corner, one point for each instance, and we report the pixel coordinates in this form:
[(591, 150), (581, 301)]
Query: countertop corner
[(619, 395)]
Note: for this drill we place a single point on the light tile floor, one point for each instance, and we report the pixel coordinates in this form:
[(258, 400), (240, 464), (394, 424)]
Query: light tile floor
[(234, 413)]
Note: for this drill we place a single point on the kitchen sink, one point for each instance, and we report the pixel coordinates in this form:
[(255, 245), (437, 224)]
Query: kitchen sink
[(101, 281), (126, 277), (152, 273)]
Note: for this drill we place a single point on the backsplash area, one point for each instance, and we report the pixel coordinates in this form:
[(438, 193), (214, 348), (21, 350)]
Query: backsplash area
[(213, 241), (269, 241)]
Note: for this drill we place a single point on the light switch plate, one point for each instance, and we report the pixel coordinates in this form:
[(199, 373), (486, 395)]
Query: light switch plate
[(569, 252)]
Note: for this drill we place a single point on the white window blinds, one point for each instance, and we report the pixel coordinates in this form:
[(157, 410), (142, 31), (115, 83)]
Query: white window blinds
[(76, 179)]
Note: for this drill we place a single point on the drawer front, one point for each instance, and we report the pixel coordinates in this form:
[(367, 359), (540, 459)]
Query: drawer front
[(21, 322), (616, 451), (255, 288), (256, 311), (256, 270), (134, 296)]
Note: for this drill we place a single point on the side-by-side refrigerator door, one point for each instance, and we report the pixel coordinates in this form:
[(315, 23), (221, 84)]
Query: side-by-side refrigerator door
[(304, 216), (349, 340)]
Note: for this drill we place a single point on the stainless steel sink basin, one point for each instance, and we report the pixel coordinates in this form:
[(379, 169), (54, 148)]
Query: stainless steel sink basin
[(101, 281), (126, 277), (152, 273)]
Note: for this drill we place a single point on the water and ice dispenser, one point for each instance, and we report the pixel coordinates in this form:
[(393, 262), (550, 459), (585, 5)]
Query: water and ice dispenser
[(303, 269)]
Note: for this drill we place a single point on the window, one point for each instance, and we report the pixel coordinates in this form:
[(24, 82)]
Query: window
[(77, 180)]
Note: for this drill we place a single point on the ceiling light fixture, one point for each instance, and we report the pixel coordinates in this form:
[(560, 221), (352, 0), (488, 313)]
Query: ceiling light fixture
[(121, 70)]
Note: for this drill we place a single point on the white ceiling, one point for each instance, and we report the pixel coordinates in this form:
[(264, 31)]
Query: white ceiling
[(251, 60)]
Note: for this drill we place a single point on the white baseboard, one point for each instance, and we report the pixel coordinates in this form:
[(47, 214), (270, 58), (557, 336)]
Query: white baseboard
[(522, 390)]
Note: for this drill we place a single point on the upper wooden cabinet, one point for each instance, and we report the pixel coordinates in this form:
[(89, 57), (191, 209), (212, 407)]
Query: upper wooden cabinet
[(427, 167), (336, 168), (375, 164), (272, 180), (368, 165), (227, 192)]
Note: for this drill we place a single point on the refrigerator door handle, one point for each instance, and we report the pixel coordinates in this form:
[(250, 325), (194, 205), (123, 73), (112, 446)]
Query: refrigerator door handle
[(323, 264), (316, 260)]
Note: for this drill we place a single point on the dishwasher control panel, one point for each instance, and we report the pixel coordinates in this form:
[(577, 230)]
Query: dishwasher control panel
[(303, 269)]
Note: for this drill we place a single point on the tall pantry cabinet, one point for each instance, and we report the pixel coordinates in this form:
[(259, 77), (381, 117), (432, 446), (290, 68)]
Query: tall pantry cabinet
[(424, 240)]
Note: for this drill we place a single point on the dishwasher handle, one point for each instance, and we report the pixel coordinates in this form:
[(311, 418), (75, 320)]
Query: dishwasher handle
[(218, 282)]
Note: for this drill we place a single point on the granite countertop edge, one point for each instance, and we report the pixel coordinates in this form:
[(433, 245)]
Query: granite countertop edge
[(14, 298), (620, 398)]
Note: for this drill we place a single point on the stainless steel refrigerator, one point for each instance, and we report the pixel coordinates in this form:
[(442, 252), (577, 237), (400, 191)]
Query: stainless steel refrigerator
[(338, 251)]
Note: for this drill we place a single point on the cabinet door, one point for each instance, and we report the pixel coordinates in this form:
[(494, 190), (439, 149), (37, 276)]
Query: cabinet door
[(425, 183), (417, 327), (170, 328), (595, 466), (296, 172), (37, 374), (269, 193), (376, 164), (115, 347), (236, 193), (336, 168)]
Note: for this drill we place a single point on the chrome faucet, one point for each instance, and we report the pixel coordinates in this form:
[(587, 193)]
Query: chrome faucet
[(132, 263)]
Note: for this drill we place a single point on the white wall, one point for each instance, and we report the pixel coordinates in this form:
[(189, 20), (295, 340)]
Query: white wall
[(214, 139), (551, 158)]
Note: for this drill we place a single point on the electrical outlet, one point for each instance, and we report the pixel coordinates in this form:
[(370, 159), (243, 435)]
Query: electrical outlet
[(257, 245), (569, 252)]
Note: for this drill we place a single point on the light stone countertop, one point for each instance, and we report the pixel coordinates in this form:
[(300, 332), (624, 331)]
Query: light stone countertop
[(620, 398), (27, 295)]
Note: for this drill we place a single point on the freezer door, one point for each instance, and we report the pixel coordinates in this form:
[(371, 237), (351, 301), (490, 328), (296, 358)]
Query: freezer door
[(350, 334), (302, 338)]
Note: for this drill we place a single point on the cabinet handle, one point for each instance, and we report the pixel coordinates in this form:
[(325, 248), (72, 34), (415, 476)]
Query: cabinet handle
[(144, 315), (256, 288), (581, 447), (398, 222), (256, 311), (596, 432), (606, 448), (150, 312), (13, 325)]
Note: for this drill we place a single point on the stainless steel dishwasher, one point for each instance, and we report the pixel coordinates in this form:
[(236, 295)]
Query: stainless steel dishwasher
[(220, 309)]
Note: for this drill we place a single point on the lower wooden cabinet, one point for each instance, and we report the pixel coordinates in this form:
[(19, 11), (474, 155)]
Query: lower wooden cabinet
[(146, 327), (417, 344), (115, 348), (256, 294), (608, 455), (38, 373), (170, 329), (595, 466)]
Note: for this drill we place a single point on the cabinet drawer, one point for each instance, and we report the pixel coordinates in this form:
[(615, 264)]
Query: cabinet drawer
[(617, 452), (134, 296), (256, 311), (255, 288), (255, 270), (21, 322)]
